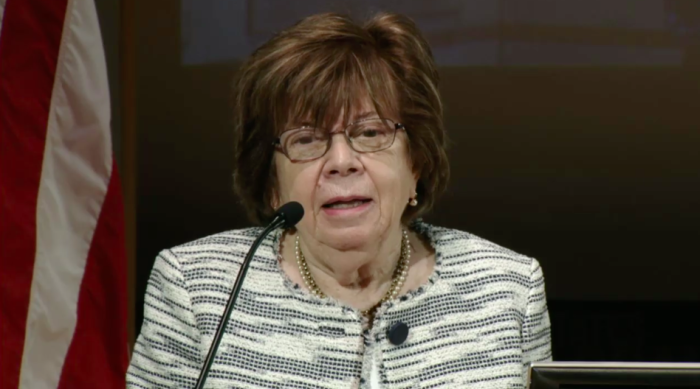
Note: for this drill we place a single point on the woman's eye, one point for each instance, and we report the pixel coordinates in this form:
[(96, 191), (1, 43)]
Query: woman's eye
[(372, 132), (304, 140)]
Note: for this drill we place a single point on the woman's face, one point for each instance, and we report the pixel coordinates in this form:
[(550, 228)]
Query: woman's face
[(350, 199)]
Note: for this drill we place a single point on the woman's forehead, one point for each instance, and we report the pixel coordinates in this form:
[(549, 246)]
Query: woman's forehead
[(363, 109)]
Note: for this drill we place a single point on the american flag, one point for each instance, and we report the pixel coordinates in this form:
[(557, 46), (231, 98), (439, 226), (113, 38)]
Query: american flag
[(63, 307)]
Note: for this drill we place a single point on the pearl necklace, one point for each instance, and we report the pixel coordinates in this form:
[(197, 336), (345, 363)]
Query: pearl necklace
[(396, 283)]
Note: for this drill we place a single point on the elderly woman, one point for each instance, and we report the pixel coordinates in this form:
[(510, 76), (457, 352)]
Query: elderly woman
[(346, 120)]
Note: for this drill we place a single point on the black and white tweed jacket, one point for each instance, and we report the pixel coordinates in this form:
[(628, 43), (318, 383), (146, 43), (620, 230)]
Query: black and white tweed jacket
[(477, 323)]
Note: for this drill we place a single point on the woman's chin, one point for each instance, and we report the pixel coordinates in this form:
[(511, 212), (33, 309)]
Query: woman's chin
[(348, 231), (346, 238)]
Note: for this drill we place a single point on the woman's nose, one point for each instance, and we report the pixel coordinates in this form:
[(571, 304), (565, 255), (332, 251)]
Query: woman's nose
[(342, 159)]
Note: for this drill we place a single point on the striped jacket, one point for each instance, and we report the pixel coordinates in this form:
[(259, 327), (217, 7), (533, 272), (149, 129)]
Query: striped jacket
[(477, 323)]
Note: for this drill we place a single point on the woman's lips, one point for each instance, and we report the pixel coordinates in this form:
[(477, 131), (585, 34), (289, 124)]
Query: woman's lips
[(344, 199), (347, 207)]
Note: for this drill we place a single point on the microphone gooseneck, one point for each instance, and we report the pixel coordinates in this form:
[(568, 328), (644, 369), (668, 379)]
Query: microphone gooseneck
[(287, 216)]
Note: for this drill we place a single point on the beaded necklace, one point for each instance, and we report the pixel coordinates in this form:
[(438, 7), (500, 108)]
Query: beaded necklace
[(397, 281)]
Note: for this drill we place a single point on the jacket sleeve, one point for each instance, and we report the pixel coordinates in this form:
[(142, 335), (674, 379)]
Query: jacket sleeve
[(537, 343), (167, 352)]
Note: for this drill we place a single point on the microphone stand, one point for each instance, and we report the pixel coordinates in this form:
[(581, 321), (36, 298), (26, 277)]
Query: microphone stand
[(277, 222)]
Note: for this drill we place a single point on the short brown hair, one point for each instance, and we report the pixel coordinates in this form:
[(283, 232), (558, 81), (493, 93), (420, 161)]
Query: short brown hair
[(320, 67)]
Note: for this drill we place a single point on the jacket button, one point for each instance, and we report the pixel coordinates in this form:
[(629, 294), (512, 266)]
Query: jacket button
[(397, 333)]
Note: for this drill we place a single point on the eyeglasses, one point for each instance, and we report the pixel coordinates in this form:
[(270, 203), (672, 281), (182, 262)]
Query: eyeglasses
[(365, 136)]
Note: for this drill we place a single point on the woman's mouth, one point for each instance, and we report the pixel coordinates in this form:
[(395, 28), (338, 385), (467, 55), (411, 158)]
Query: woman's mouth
[(346, 204)]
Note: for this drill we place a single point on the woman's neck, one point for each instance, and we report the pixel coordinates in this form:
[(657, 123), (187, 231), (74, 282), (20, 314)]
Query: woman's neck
[(365, 283), (359, 277)]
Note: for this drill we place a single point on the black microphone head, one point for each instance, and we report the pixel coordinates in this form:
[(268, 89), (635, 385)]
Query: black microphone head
[(291, 212)]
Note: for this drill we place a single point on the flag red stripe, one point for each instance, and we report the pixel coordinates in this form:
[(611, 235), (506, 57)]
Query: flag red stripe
[(98, 355), (29, 44)]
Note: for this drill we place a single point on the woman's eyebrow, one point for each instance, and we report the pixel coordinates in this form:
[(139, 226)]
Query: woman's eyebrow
[(365, 115), (299, 123), (356, 118), (310, 123)]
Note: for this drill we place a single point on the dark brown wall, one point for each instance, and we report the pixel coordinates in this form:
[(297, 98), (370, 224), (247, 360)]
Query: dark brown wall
[(596, 172)]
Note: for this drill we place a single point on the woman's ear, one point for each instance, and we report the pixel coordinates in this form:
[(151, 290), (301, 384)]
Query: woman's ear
[(274, 200), (274, 185)]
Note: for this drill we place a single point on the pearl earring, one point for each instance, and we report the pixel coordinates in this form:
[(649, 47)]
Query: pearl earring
[(414, 200)]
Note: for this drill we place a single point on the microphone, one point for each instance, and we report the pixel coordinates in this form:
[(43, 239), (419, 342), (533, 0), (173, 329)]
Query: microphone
[(287, 216)]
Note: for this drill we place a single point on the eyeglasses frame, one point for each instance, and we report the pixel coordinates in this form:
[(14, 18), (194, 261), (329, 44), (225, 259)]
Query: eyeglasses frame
[(278, 144)]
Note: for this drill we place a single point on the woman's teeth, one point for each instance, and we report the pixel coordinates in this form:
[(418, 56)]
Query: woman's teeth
[(346, 204)]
